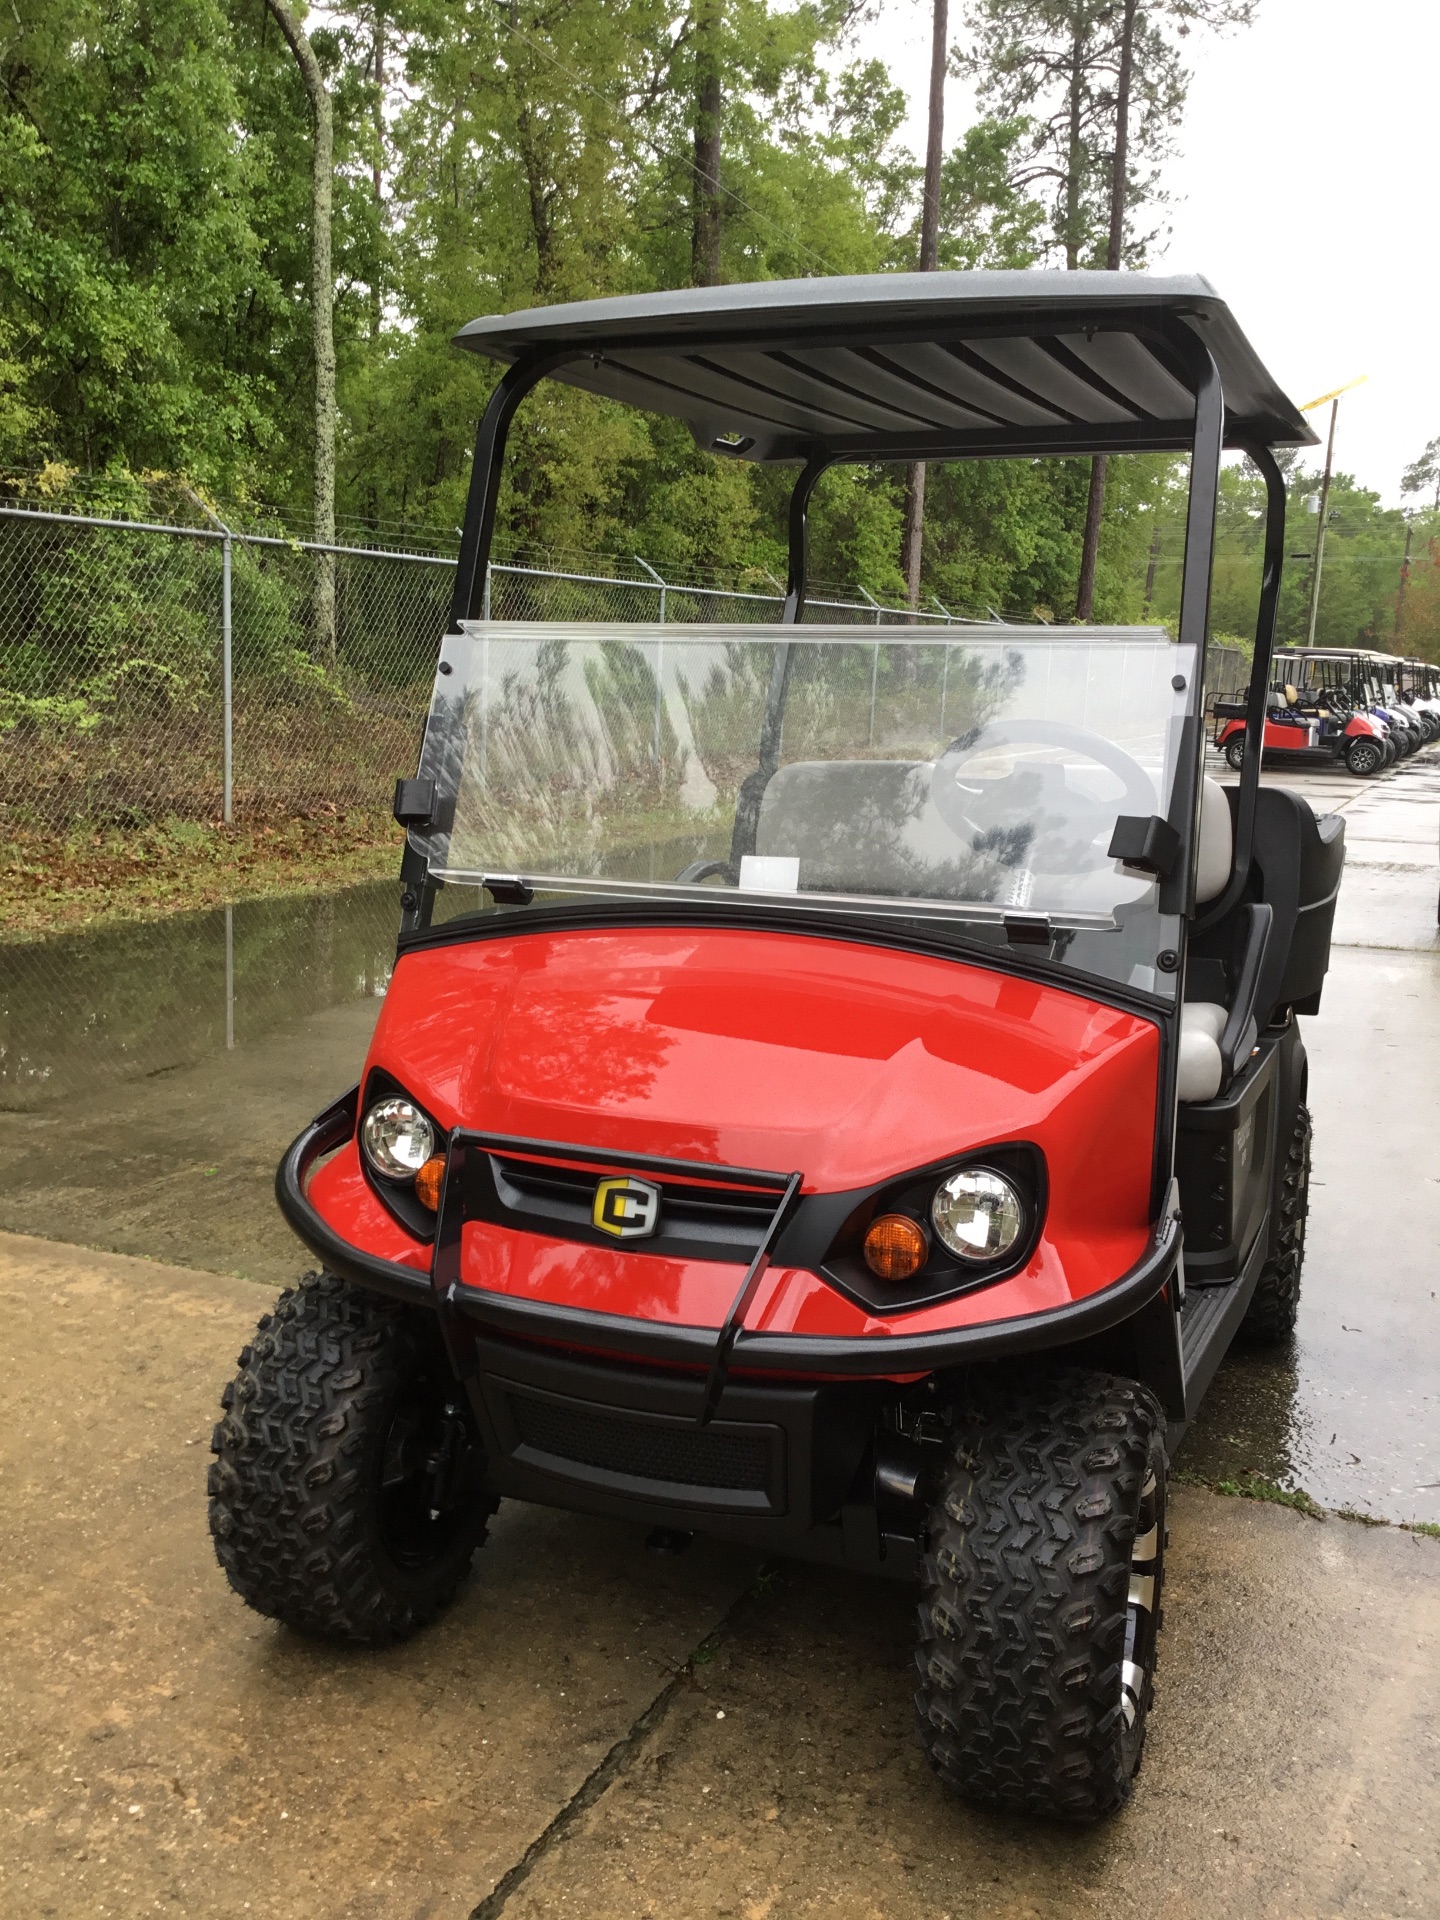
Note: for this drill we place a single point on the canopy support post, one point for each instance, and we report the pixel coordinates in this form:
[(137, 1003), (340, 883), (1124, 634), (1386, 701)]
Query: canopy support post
[(1177, 893), (1275, 504), (800, 538), (473, 568)]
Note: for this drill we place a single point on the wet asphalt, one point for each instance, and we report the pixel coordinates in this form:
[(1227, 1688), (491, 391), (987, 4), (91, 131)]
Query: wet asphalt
[(151, 1075)]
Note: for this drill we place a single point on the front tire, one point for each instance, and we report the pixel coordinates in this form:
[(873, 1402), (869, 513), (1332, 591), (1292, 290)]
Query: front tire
[(1365, 755), (1040, 1602), (347, 1497), (1275, 1304)]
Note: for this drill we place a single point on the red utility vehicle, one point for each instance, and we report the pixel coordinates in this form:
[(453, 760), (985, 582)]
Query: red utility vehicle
[(840, 1088)]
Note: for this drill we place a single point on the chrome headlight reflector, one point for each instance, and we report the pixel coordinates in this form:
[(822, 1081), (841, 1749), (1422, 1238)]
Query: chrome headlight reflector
[(397, 1138), (979, 1215)]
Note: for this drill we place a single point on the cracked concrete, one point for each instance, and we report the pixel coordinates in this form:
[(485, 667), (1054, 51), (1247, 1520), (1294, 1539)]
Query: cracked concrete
[(167, 1751)]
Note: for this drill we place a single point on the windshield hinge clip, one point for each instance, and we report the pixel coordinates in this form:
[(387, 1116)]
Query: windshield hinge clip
[(1028, 930)]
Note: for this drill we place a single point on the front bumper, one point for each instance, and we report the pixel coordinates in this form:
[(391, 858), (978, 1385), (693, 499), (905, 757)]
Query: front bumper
[(472, 1312)]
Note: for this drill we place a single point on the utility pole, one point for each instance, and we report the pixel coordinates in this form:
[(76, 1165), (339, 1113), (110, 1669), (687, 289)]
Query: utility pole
[(1320, 530), (1309, 407), (913, 529), (1404, 582)]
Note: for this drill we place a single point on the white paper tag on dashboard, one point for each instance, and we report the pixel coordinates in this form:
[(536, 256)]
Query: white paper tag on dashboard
[(769, 873)]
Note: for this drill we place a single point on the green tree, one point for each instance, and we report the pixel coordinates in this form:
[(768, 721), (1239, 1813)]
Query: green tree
[(128, 260), (1424, 473), (1102, 85)]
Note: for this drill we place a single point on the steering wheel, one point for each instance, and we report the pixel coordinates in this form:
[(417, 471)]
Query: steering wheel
[(1032, 818)]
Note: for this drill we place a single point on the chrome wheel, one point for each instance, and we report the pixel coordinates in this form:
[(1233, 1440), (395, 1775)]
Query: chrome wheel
[(1142, 1609)]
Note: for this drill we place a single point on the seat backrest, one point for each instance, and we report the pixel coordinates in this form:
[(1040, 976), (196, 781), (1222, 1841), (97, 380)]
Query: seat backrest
[(1216, 852), (844, 820), (1296, 864)]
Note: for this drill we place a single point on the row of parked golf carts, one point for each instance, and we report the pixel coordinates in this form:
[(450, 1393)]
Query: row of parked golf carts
[(1354, 708)]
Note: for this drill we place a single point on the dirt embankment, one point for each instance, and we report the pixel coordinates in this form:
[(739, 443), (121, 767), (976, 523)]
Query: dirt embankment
[(52, 883)]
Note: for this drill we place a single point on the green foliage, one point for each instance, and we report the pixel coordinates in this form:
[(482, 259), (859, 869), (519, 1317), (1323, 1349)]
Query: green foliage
[(154, 261)]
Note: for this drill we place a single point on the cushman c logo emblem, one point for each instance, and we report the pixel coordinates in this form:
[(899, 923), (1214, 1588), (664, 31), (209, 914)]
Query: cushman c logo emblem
[(627, 1208)]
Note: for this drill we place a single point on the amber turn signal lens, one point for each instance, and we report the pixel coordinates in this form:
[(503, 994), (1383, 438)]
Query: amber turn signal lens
[(896, 1246), (428, 1182)]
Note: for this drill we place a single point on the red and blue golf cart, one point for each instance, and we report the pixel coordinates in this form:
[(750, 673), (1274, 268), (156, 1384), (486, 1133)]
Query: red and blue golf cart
[(1324, 715), (840, 1088)]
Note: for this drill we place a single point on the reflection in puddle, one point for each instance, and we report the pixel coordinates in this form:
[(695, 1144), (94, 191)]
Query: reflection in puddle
[(1251, 1421), (128, 1002), (132, 1125)]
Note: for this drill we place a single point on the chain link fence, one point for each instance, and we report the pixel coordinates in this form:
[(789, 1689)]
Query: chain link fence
[(153, 672)]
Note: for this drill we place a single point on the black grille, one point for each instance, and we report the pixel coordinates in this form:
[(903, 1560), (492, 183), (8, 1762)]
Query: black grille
[(682, 1455)]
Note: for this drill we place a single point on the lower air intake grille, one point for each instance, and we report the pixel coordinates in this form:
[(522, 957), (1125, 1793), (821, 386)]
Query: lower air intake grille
[(681, 1455)]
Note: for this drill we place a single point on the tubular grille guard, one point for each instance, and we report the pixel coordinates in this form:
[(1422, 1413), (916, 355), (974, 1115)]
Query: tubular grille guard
[(474, 1188)]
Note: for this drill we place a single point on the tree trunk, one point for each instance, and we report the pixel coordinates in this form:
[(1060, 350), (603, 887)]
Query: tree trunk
[(322, 317), (706, 220), (912, 536), (377, 165), (1120, 171), (1404, 583), (1114, 256), (1074, 162), (1150, 570)]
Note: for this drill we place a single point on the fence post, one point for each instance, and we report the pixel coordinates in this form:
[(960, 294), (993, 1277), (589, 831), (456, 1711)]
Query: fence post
[(485, 594), (227, 685), (657, 578), (227, 677)]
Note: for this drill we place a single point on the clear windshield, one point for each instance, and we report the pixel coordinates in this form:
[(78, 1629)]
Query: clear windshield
[(969, 778)]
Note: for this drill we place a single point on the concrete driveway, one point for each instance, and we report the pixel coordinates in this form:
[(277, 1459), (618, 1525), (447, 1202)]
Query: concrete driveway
[(596, 1731)]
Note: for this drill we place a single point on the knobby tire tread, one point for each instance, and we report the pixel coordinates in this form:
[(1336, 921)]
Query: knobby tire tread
[(1025, 1584), (1275, 1304), (292, 1503)]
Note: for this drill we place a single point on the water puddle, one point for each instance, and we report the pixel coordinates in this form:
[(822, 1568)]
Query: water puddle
[(93, 1010), (151, 1076)]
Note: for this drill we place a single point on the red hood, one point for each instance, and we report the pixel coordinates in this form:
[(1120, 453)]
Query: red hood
[(776, 1050)]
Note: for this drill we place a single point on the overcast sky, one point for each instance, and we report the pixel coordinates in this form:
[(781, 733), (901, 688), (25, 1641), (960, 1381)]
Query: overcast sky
[(1304, 190)]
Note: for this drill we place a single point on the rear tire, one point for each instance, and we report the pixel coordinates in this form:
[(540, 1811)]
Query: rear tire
[(347, 1498), (1275, 1305), (1235, 752), (1365, 755), (1041, 1594)]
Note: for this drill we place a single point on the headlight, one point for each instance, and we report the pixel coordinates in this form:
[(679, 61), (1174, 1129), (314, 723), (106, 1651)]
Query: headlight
[(397, 1139), (978, 1215)]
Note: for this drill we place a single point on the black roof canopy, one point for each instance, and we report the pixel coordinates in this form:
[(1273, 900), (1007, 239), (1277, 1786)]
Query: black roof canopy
[(913, 365)]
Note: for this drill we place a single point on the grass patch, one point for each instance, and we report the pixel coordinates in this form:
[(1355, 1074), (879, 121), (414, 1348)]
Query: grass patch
[(1254, 1486), (53, 884)]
